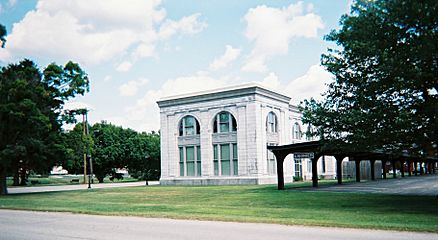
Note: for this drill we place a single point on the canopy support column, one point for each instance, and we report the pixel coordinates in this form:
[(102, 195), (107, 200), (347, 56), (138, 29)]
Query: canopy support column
[(372, 168), (315, 170), (339, 168), (280, 156), (357, 161)]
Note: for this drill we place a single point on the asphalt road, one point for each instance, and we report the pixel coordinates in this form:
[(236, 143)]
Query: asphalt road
[(16, 225), (34, 189)]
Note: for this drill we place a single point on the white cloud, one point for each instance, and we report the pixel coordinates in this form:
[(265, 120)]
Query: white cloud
[(223, 61), (188, 25), (93, 32), (131, 88), (272, 29), (12, 3), (271, 81), (107, 78), (311, 84), (144, 116), (124, 66)]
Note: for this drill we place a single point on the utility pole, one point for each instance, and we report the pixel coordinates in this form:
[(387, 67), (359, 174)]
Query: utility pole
[(84, 124)]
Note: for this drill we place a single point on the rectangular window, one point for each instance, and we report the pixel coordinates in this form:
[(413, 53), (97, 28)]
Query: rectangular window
[(224, 122), (298, 168), (225, 159), (181, 161), (235, 163), (198, 161), (190, 161), (309, 166), (215, 160), (271, 163)]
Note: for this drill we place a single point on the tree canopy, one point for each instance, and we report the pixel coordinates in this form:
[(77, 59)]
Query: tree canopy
[(385, 68), (113, 147), (31, 115)]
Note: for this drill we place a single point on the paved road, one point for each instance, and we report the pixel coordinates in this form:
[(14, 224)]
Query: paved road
[(16, 225), (15, 190), (426, 185)]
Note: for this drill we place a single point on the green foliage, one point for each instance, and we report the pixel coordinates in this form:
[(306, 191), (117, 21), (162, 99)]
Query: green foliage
[(31, 116), (3, 34), (114, 147), (385, 68)]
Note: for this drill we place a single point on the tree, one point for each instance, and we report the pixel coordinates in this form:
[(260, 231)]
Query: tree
[(385, 67), (2, 36), (108, 148), (31, 105), (144, 160)]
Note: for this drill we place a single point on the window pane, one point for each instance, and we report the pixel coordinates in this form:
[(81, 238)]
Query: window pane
[(181, 161), (190, 168), (181, 169), (234, 151), (198, 161), (225, 165), (224, 117), (190, 154), (235, 167), (190, 131), (216, 168), (189, 121), (225, 159), (215, 160), (224, 127)]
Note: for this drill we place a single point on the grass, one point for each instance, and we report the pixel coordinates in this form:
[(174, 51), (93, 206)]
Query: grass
[(243, 204)]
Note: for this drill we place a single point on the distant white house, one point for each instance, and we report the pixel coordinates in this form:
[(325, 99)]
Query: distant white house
[(58, 170), (221, 137)]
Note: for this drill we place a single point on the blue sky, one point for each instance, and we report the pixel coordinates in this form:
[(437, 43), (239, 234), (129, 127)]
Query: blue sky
[(137, 51)]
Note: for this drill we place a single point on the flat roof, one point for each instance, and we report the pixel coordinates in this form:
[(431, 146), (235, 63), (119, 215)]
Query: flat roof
[(225, 92)]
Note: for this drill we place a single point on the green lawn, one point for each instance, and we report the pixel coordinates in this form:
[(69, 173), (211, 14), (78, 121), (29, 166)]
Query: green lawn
[(243, 204)]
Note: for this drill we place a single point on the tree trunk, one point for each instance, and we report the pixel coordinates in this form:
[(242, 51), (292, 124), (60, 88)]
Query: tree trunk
[(16, 178), (23, 177), (3, 185)]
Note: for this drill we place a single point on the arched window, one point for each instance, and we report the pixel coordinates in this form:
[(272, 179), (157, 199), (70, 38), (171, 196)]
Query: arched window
[(225, 157), (296, 131), (224, 122), (271, 123), (189, 126)]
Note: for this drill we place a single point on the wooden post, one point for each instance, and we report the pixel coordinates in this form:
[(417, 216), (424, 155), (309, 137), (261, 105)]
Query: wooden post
[(357, 161), (280, 173), (394, 172), (384, 169), (409, 168), (415, 168), (315, 171), (339, 168), (421, 168), (402, 168), (372, 168)]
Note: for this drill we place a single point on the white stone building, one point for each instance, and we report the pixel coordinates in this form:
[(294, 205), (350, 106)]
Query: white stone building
[(221, 137)]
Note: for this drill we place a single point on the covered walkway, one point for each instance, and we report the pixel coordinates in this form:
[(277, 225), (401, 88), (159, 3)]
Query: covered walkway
[(315, 150)]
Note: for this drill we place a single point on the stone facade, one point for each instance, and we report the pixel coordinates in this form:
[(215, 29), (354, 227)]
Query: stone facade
[(200, 144)]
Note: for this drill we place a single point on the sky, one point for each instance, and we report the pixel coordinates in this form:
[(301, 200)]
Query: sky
[(137, 51)]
